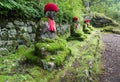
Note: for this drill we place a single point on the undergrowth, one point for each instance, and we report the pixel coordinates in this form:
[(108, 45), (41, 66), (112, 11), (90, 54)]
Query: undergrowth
[(111, 29)]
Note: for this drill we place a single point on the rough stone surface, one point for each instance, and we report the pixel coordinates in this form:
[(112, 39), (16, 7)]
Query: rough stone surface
[(3, 51), (111, 57), (20, 31), (100, 20), (49, 66)]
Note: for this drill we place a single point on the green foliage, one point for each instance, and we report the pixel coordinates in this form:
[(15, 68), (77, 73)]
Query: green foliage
[(111, 8), (34, 9), (68, 9), (20, 8)]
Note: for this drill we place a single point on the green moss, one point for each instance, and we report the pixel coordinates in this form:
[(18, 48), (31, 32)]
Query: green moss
[(52, 46), (111, 29), (49, 47), (87, 30), (91, 28), (57, 49), (53, 49), (44, 19), (21, 49), (79, 35), (29, 54), (59, 58)]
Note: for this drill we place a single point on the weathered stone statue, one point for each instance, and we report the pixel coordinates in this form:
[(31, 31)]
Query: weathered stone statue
[(49, 49), (46, 26), (87, 28), (74, 26), (75, 32)]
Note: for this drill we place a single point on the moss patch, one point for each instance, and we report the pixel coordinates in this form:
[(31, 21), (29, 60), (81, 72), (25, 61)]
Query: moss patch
[(111, 29), (78, 35), (53, 49)]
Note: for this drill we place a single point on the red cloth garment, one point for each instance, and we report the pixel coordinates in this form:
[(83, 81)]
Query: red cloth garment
[(50, 7), (75, 25), (85, 21), (51, 26), (75, 18)]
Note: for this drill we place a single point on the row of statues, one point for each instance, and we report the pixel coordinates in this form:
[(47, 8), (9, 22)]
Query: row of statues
[(47, 43), (47, 27)]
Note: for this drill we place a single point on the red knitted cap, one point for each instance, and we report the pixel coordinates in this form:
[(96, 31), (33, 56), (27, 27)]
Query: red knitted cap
[(50, 7), (85, 21), (75, 18)]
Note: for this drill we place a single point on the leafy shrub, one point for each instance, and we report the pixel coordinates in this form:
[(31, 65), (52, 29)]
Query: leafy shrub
[(20, 8), (34, 9)]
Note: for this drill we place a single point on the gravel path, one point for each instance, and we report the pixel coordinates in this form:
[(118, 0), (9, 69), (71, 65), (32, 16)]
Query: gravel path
[(111, 57)]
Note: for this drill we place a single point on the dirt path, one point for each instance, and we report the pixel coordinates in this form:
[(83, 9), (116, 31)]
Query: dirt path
[(111, 57)]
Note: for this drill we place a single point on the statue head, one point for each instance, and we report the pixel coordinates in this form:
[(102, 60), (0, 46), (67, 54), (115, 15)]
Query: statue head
[(75, 19), (50, 10), (86, 21)]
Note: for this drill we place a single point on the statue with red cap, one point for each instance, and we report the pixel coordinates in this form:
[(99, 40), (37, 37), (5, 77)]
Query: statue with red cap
[(87, 28), (46, 26), (74, 26), (48, 48), (75, 32)]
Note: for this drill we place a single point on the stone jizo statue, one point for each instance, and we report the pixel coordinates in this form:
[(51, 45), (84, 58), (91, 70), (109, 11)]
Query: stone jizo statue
[(46, 26), (74, 26)]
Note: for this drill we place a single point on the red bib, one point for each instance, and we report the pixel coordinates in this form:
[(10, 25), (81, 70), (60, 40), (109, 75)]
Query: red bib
[(75, 25), (51, 26)]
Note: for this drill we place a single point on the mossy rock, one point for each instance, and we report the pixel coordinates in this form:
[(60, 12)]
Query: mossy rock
[(87, 30), (54, 51), (91, 28), (31, 57), (100, 20), (59, 58), (79, 35), (81, 38), (49, 47), (61, 52)]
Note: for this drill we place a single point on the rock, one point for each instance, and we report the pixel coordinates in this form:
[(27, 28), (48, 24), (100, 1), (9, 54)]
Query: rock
[(32, 23), (86, 72), (32, 37), (21, 23), (52, 59), (16, 22), (11, 45), (23, 29), (4, 51), (25, 25), (4, 34), (29, 29), (1, 43), (10, 25), (12, 34), (100, 20), (49, 66)]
